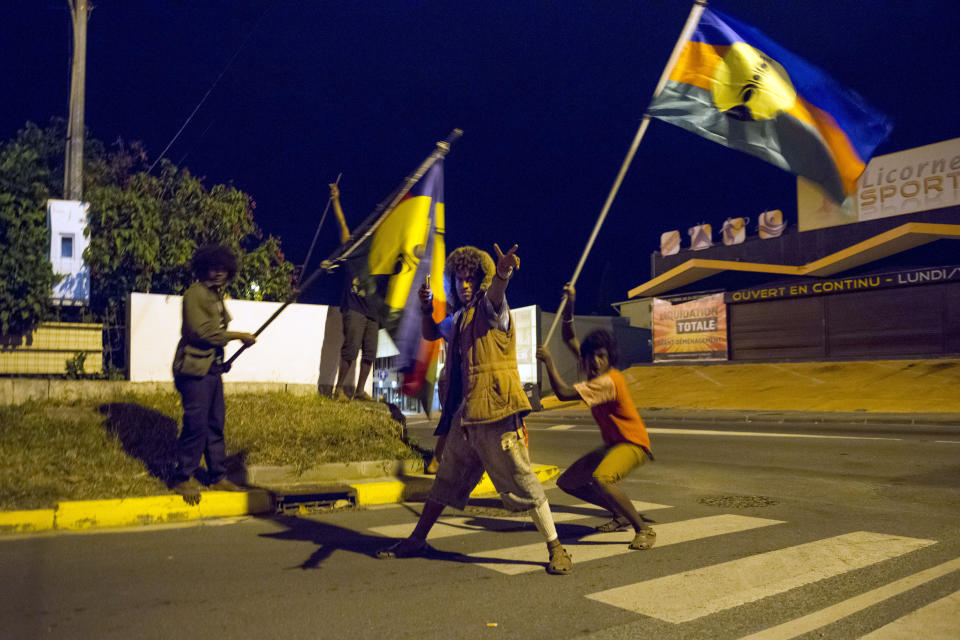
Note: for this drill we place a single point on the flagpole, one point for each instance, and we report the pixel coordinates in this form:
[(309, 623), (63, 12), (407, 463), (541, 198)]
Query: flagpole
[(317, 233), (443, 147), (692, 20)]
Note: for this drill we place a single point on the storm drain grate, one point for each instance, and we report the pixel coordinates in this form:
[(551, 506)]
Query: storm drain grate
[(302, 503), (738, 502)]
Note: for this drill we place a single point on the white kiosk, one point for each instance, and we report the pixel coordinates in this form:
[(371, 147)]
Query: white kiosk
[(67, 220)]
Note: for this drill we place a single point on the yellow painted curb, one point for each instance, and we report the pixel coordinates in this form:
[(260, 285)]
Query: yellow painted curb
[(26, 521), (89, 514), (388, 492), (393, 491), (544, 472)]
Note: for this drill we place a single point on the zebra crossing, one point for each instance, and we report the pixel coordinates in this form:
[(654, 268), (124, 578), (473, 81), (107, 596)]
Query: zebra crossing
[(701, 592), (730, 584), (606, 545)]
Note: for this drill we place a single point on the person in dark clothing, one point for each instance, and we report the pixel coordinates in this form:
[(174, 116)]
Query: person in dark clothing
[(360, 323), (197, 368)]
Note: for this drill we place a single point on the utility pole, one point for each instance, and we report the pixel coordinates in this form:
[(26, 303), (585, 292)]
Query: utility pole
[(73, 170)]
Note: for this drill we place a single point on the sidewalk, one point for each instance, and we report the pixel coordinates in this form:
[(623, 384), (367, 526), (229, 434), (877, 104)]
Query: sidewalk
[(946, 422), (893, 392)]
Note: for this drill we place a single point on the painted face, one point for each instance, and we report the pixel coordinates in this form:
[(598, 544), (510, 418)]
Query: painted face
[(217, 276), (468, 285), (596, 363)]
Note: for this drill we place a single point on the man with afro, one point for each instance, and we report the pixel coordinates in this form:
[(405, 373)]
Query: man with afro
[(197, 368), (484, 403)]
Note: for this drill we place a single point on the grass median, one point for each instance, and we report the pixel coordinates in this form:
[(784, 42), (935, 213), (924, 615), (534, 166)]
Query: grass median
[(92, 449)]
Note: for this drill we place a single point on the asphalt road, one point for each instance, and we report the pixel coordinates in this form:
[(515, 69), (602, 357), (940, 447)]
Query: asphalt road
[(784, 531)]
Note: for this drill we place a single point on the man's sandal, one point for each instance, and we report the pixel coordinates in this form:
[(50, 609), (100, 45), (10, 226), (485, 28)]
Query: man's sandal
[(617, 524), (644, 539), (405, 548), (561, 563)]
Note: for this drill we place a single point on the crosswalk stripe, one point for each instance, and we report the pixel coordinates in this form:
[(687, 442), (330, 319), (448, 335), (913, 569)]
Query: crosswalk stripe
[(604, 545), (937, 621), (822, 618), (561, 427), (459, 525), (701, 592)]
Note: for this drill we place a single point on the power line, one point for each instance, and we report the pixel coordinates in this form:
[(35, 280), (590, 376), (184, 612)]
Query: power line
[(209, 91)]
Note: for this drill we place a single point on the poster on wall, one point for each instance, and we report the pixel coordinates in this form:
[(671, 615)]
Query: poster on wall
[(694, 330)]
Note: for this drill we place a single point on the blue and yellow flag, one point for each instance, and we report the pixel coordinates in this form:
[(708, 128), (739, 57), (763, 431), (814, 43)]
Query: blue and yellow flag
[(406, 247), (735, 86)]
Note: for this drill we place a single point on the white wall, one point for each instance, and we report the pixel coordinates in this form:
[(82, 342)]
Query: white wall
[(301, 346)]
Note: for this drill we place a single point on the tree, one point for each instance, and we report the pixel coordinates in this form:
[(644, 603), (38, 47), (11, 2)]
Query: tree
[(143, 228), (26, 274)]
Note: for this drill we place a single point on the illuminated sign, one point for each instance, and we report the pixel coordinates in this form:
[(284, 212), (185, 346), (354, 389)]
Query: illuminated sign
[(692, 330), (912, 277), (910, 181)]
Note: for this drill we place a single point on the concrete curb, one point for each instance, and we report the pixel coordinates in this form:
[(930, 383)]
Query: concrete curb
[(413, 487), (79, 515)]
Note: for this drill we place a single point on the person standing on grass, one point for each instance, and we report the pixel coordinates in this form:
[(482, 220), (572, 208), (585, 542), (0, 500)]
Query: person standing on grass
[(484, 403), (360, 323), (596, 476), (197, 368)]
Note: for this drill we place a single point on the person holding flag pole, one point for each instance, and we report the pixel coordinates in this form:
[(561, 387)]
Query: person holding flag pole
[(596, 476), (360, 323), (728, 82), (384, 246)]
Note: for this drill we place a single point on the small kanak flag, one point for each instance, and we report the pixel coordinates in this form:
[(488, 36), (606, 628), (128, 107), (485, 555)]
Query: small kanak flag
[(733, 85)]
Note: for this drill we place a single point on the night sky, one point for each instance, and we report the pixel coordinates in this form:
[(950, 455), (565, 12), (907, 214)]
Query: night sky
[(549, 95)]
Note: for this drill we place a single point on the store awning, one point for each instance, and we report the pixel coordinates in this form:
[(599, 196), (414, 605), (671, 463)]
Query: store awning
[(888, 243)]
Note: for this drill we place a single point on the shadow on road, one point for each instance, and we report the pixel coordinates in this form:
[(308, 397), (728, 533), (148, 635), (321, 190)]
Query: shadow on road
[(331, 538)]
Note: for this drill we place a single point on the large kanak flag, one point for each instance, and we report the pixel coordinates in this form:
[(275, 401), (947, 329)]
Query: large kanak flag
[(406, 247), (733, 85)]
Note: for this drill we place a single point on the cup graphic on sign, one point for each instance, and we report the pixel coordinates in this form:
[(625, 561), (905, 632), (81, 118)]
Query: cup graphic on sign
[(771, 224), (701, 237), (670, 243)]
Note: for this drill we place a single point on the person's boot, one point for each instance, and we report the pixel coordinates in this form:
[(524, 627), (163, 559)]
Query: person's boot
[(224, 484), (190, 490)]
